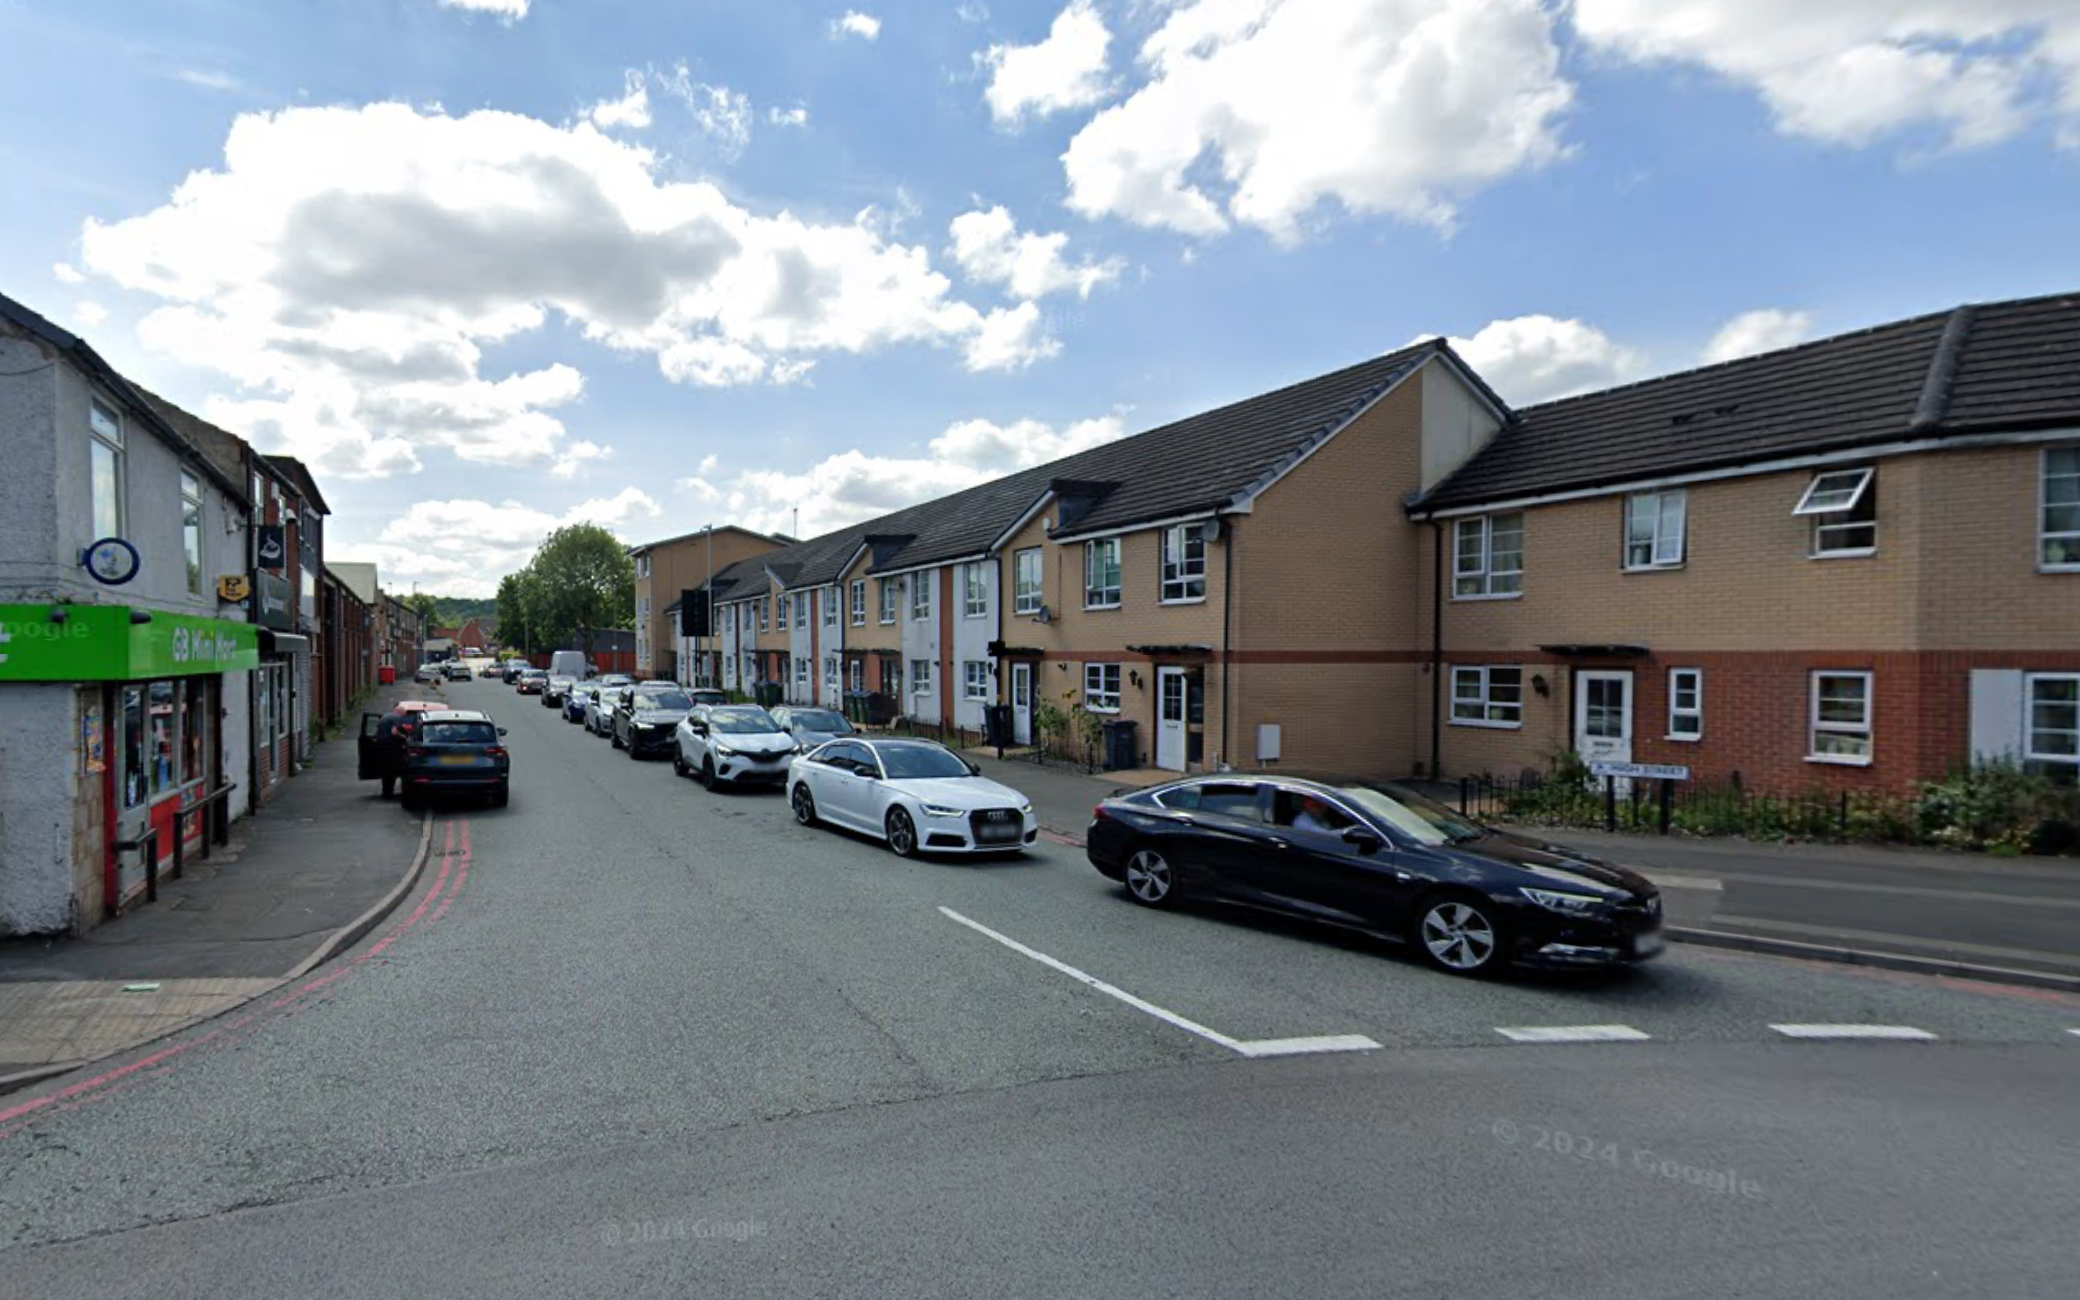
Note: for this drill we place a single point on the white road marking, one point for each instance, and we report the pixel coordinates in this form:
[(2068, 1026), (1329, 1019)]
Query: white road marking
[(1676, 880), (2073, 1031), (1851, 1031), (1574, 1034), (1244, 1047)]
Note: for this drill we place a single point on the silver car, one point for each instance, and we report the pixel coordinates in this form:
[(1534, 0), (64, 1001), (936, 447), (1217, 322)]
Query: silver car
[(811, 727), (732, 744), (599, 710)]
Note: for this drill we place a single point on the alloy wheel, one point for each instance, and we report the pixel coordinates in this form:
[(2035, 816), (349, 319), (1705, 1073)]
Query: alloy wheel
[(804, 805), (1459, 937), (1149, 878), (902, 833)]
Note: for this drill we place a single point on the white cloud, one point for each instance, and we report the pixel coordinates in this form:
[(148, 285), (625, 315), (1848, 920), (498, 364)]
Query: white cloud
[(90, 314), (462, 547), (1064, 71), (1758, 331), (512, 11), (971, 11), (796, 116), (853, 486), (218, 81), (989, 250), (888, 222), (1529, 359), (1851, 71), (346, 267), (66, 273), (576, 456), (631, 111), (722, 114), (855, 23), (1259, 111)]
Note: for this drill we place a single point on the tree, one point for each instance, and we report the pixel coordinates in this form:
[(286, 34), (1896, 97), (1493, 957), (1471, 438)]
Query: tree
[(515, 629), (580, 580), (426, 605)]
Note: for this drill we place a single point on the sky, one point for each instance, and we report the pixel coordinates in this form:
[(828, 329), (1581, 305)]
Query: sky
[(493, 266)]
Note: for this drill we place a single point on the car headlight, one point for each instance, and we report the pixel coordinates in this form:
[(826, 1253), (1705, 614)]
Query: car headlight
[(937, 810), (1026, 808), (1569, 904), (721, 747)]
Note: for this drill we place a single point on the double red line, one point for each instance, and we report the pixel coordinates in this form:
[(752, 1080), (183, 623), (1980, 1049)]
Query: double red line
[(447, 883)]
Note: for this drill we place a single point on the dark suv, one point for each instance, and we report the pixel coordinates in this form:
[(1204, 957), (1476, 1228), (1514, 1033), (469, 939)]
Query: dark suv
[(647, 717), (458, 750)]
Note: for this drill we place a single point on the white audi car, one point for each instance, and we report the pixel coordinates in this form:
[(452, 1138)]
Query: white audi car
[(917, 795)]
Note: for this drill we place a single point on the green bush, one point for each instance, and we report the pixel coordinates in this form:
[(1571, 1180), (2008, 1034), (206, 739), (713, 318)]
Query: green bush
[(2001, 808)]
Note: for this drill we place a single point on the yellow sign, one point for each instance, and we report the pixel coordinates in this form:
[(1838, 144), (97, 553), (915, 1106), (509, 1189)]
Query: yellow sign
[(234, 587)]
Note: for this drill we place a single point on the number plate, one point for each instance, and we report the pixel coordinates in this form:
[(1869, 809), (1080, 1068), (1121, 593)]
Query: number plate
[(458, 760), (1649, 944), (996, 832)]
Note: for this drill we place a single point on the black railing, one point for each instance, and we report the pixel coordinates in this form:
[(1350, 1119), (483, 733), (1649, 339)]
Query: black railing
[(1642, 806)]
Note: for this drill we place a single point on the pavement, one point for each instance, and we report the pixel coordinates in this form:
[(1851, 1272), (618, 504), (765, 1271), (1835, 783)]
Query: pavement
[(627, 1037), (312, 864), (2010, 918)]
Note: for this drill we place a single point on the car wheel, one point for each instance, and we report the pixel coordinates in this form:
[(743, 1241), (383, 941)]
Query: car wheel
[(679, 763), (708, 773), (1461, 935), (411, 800), (1150, 879), (631, 748), (504, 795), (804, 804), (902, 834), (614, 738), (389, 786)]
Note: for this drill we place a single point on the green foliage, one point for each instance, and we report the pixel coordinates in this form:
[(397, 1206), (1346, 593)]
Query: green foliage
[(581, 580), (2001, 808)]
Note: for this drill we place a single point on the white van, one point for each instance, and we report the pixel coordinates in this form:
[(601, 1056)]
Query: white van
[(569, 663)]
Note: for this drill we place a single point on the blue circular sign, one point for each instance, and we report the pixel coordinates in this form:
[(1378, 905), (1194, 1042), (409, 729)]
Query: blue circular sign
[(111, 560)]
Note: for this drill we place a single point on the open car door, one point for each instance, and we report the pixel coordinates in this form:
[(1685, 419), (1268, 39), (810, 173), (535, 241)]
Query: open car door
[(368, 755)]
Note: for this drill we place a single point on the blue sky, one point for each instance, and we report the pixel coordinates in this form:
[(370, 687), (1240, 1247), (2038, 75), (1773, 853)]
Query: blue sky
[(495, 265)]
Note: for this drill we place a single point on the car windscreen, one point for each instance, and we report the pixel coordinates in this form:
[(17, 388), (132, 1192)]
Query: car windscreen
[(1417, 816), (459, 733), (742, 722), (919, 762), (662, 700), (820, 720)]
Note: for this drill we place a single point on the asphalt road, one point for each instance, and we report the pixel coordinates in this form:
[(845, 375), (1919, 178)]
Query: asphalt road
[(636, 1039)]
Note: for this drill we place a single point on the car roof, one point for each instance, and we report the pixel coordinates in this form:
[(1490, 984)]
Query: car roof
[(456, 715), (898, 742), (419, 706)]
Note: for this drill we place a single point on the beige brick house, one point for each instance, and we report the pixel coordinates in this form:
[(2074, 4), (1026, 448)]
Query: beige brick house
[(1855, 562), (665, 570)]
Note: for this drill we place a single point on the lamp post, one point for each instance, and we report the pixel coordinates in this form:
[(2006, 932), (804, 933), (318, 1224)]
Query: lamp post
[(707, 602)]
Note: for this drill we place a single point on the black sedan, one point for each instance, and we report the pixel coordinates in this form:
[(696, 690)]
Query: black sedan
[(459, 751), (1377, 857)]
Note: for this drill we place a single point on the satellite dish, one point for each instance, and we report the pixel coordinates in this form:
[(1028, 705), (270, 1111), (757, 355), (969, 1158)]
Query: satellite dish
[(1045, 615)]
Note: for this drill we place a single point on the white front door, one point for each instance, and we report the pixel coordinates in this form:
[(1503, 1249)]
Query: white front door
[(1022, 703), (1170, 718), (1603, 716)]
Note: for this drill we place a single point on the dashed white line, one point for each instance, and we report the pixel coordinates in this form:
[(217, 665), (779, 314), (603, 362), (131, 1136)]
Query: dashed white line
[(1852, 1031), (1574, 1034), (1244, 1047)]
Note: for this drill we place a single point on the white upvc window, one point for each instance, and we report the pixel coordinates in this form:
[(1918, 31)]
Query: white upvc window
[(920, 596), (764, 613), (974, 591), (1843, 505), (830, 673), (829, 597), (975, 679), (1026, 580), (1101, 688), (1101, 573), (191, 530), (106, 468), (801, 676), (1686, 704), (888, 599), (801, 609), (1184, 564), (859, 602), (643, 565), (780, 613), (1488, 557), (856, 672), (1654, 527), (920, 676), (1487, 697), (2058, 527), (1841, 718), (2051, 729)]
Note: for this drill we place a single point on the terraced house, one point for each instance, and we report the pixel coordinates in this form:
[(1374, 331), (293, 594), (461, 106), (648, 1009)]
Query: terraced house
[(1854, 562)]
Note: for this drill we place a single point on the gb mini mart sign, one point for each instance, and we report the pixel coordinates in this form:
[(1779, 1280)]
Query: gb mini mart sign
[(100, 643)]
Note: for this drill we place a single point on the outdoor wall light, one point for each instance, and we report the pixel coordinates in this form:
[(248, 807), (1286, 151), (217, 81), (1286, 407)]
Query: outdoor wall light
[(60, 614), (1538, 683), (1134, 676), (139, 616)]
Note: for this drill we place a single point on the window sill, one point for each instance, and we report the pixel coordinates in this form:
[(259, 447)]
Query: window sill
[(1860, 553), (1486, 725), (1686, 740), (1113, 605), (2058, 568), (1840, 760), (1502, 595), (1092, 708), (983, 614), (1034, 612), (1673, 567), (1184, 600)]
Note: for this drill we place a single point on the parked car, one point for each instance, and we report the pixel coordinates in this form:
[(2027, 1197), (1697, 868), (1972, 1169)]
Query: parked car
[(427, 673), (509, 671), (1378, 857), (645, 715), (574, 703), (616, 679), (812, 727), (736, 744), (457, 672), (531, 681), (709, 695), (569, 663), (917, 795), (558, 687), (459, 751), (599, 710), (379, 751)]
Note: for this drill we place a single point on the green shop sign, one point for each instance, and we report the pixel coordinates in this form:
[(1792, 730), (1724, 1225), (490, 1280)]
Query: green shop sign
[(99, 643)]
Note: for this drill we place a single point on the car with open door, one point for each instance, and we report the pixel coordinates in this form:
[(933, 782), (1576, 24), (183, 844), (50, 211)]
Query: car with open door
[(917, 795), (599, 709), (379, 750), (456, 751), (1379, 857), (644, 718), (732, 744), (811, 727)]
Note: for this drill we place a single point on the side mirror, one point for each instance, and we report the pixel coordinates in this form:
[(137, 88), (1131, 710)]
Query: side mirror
[(501, 731), (972, 769), (1364, 839)]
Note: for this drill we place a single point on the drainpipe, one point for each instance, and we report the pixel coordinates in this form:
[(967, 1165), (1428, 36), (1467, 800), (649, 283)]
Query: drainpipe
[(1227, 661), (1437, 651)]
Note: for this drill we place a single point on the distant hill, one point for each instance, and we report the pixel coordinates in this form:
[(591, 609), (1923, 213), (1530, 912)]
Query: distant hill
[(453, 610)]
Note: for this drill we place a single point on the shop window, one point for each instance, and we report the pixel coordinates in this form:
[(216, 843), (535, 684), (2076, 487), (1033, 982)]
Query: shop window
[(163, 731), (134, 778)]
